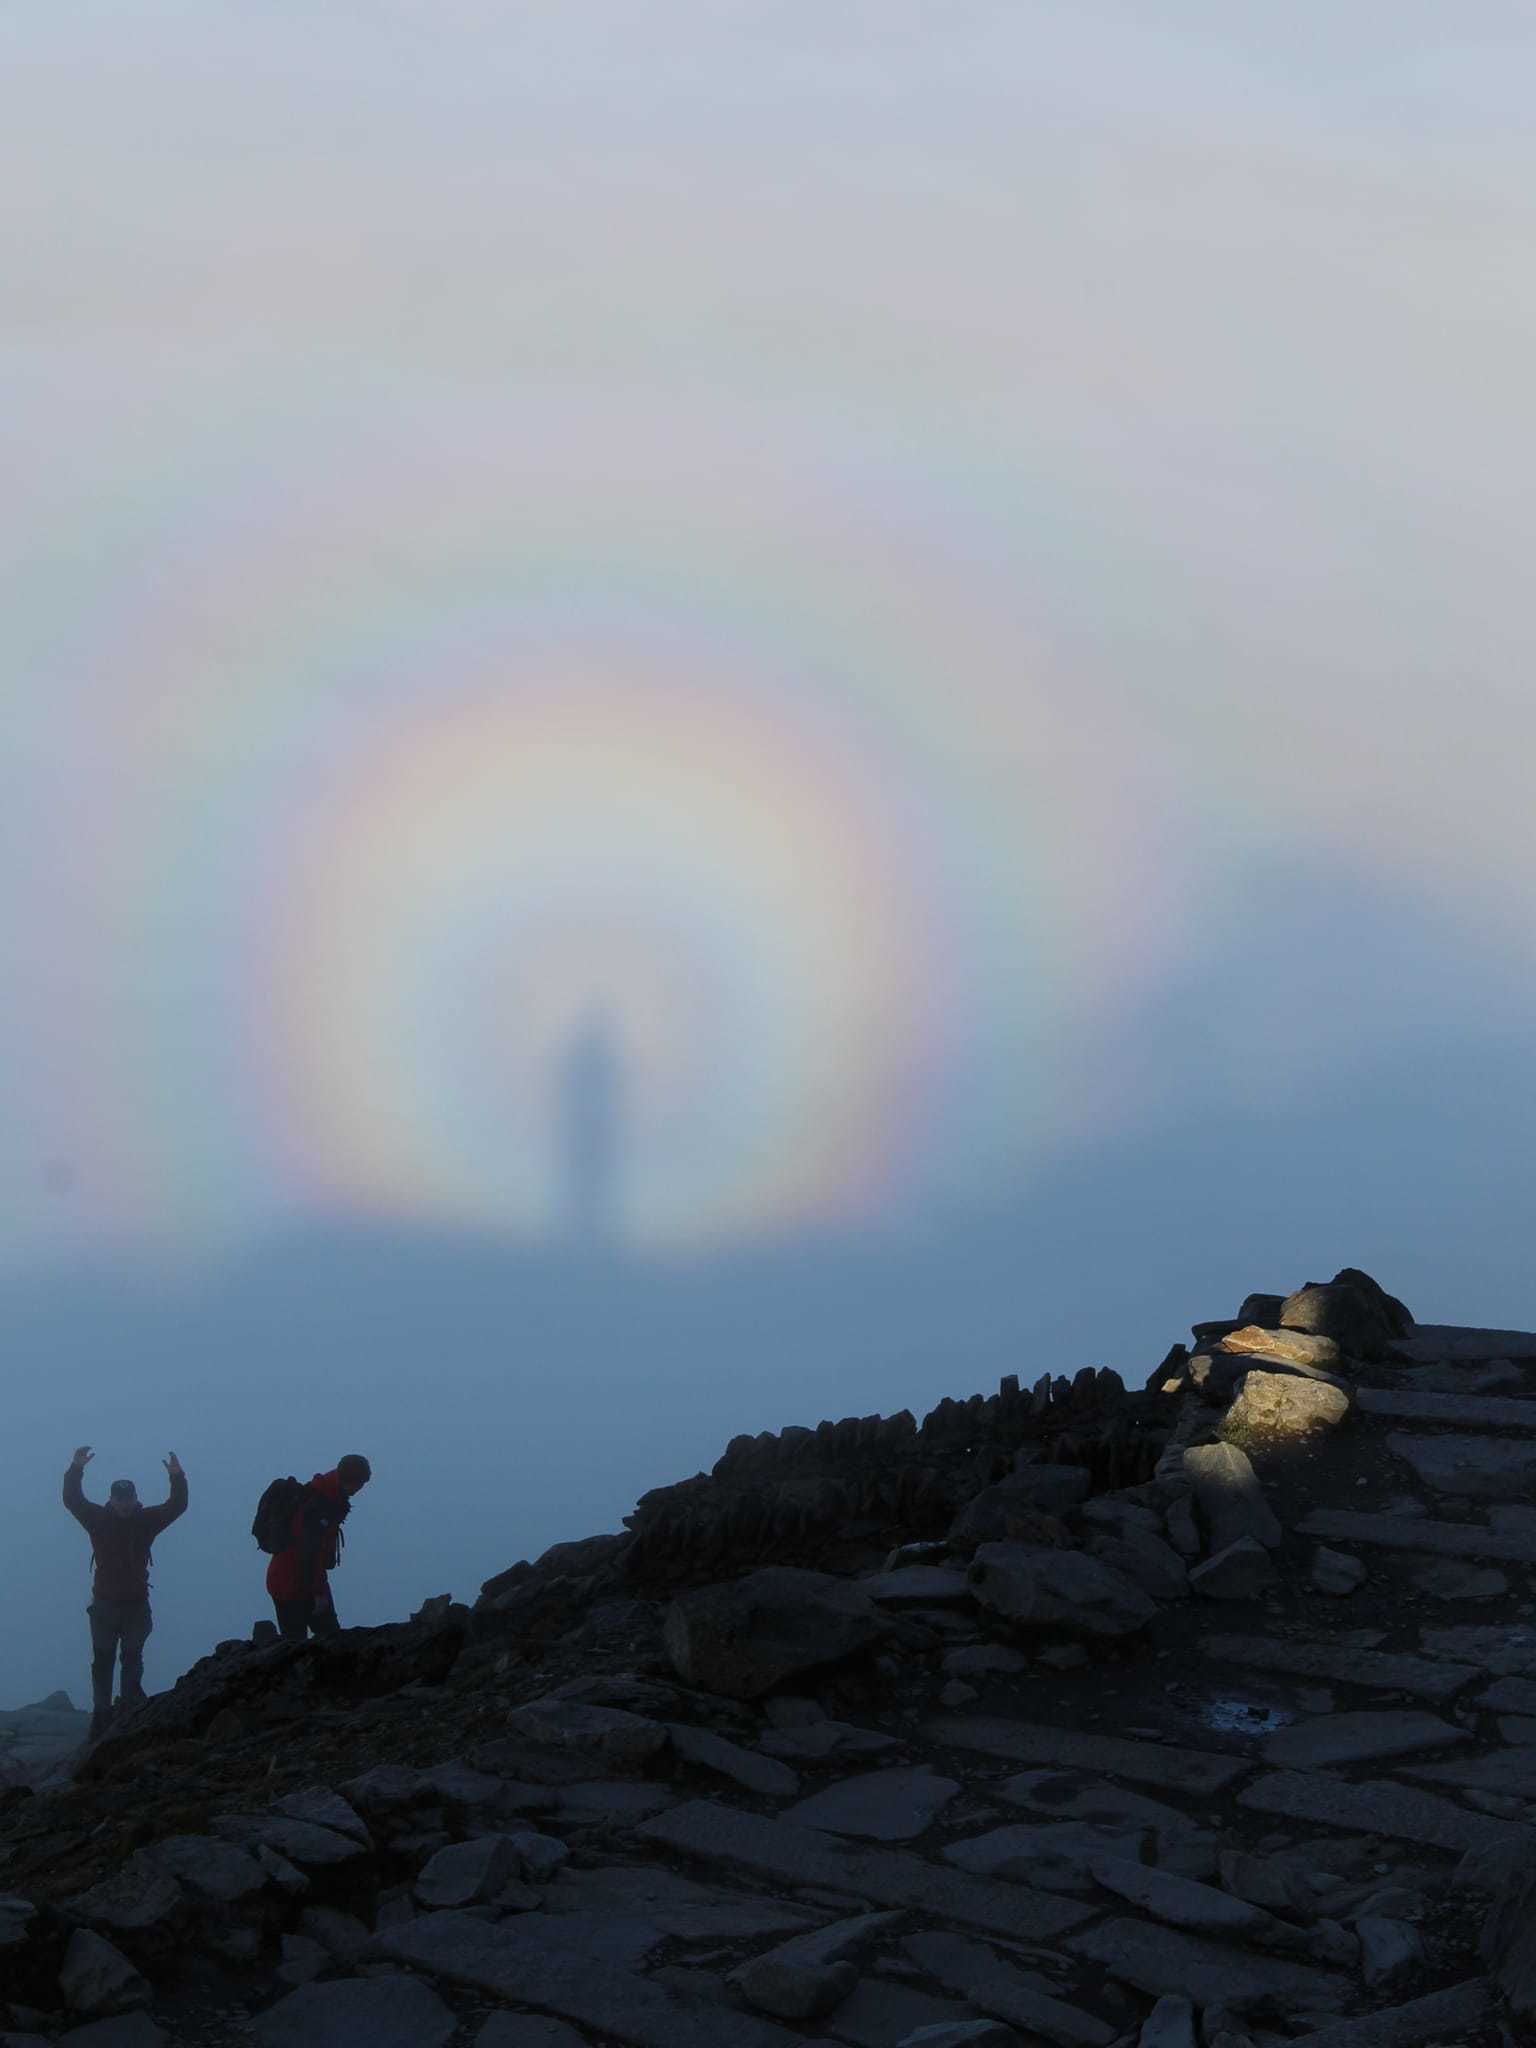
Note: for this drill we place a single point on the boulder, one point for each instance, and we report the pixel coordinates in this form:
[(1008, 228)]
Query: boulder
[(1063, 1589), (1360, 1316), (742, 1638), (97, 1978), (468, 1873), (1147, 1561), (1230, 1496), (1278, 1407), (1285, 1347), (1336, 1572), (795, 1991)]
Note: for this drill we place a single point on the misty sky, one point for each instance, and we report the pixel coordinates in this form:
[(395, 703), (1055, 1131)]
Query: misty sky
[(955, 575)]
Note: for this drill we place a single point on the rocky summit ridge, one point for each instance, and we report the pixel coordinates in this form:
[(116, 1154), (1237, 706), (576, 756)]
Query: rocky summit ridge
[(1198, 1715)]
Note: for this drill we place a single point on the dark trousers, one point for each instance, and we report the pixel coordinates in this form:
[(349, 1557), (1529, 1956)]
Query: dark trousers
[(297, 1619), (118, 1627)]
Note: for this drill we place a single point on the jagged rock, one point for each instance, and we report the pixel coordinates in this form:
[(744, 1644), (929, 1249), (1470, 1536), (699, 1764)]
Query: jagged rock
[(1122, 1518), (1230, 1496), (1273, 1407), (886, 1806), (327, 1809), (743, 1638), (1170, 2024), (465, 1873), (391, 2011), (1508, 1939), (1024, 1506), (97, 1978), (1058, 1589), (309, 1848), (215, 1871), (342, 1935), (1336, 1572), (1239, 1571), (1387, 1948), (137, 1900), (608, 1735)]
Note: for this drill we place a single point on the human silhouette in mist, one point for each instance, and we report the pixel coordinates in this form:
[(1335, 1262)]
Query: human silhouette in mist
[(121, 1534)]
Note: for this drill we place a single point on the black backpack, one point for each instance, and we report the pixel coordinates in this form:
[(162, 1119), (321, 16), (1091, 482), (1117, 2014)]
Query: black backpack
[(273, 1526)]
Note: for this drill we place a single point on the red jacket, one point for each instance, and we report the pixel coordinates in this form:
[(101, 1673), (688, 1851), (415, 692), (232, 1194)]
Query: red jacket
[(299, 1572), (120, 1543)]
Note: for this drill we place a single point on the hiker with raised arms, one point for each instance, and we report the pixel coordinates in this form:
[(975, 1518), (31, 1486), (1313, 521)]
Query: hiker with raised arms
[(301, 1527), (121, 1532)]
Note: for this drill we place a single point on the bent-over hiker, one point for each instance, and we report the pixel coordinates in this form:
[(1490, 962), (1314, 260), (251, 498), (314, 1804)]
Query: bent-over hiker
[(298, 1576), (121, 1533)]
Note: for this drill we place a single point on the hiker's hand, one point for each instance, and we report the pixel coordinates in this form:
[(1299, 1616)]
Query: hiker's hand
[(82, 1458), (173, 1465)]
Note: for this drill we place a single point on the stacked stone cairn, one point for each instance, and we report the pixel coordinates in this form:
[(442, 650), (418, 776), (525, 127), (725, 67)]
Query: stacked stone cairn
[(1202, 1716)]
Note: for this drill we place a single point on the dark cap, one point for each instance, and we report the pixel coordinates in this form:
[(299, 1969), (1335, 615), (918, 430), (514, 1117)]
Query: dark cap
[(124, 1489)]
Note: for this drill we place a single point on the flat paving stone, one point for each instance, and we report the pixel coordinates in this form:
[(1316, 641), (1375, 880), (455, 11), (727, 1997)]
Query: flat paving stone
[(1505, 1650), (1378, 1807), (1455, 1578), (1358, 1738), (1150, 1763), (981, 1975), (1509, 1696), (1159, 1960), (711, 1752), (1441, 2015), (1509, 1770), (887, 1806), (1478, 1467), (1432, 1342), (1454, 1411), (673, 1904), (1412, 1532), (612, 1799), (535, 1964), (1421, 1677), (1055, 1856), (886, 1877), (1062, 1796)]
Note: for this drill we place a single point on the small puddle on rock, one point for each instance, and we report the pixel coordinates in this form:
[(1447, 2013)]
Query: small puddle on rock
[(1242, 1717)]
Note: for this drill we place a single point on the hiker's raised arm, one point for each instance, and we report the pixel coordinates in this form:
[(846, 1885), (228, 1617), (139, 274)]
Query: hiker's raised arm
[(175, 1504), (84, 1511)]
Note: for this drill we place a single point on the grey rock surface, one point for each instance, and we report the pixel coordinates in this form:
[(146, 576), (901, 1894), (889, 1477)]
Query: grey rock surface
[(711, 1752), (1062, 1589), (393, 2011), (1359, 1737), (997, 1986), (886, 1806), (1229, 1496), (97, 1978), (743, 1638), (1477, 1467), (1241, 1570)]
